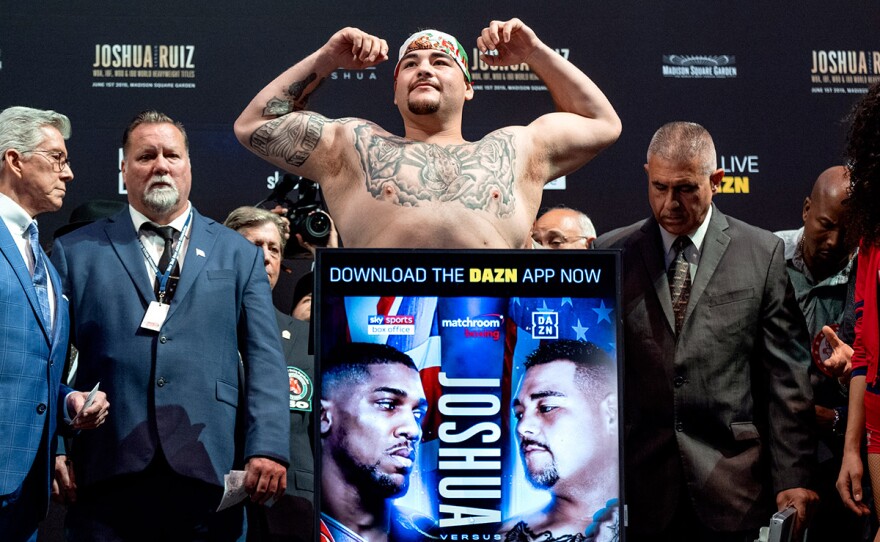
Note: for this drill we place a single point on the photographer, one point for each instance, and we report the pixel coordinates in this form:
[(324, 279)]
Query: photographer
[(305, 218)]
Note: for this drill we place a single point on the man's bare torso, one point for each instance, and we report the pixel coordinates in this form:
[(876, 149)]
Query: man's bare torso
[(387, 191)]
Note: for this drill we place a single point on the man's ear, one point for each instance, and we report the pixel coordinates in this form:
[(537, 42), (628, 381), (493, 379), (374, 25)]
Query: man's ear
[(12, 160), (326, 416), (715, 178), (806, 208), (468, 91), (608, 412)]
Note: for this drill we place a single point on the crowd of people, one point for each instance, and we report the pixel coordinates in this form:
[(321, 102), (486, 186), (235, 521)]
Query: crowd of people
[(751, 381)]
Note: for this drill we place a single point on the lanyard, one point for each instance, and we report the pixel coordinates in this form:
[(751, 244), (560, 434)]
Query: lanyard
[(162, 278)]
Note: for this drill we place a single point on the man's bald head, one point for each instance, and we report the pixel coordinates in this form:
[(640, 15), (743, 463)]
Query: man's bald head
[(825, 247)]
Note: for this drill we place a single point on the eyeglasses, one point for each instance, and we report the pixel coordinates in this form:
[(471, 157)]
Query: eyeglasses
[(58, 159), (556, 241)]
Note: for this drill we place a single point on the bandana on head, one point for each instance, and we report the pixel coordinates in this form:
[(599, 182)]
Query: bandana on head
[(439, 41)]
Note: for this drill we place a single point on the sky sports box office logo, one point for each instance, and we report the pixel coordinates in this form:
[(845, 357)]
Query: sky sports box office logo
[(388, 324)]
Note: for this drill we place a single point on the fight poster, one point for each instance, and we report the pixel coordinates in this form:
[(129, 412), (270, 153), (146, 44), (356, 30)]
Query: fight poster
[(469, 395)]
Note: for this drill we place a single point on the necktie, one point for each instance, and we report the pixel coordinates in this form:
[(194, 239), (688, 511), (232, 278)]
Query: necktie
[(679, 281), (41, 280), (167, 235)]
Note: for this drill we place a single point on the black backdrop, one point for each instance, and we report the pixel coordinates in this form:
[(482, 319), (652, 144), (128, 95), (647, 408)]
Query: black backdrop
[(744, 70)]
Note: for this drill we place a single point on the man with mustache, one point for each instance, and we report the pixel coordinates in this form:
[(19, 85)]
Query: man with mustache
[(173, 314), (432, 188), (567, 425), (718, 405), (372, 404)]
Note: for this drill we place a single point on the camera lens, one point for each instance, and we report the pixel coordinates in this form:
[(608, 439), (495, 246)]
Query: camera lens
[(317, 225)]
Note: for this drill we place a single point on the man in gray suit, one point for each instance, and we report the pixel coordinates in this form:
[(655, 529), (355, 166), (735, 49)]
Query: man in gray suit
[(718, 407)]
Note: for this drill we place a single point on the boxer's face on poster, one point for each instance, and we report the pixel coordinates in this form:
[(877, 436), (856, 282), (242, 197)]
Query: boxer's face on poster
[(563, 433), (375, 428)]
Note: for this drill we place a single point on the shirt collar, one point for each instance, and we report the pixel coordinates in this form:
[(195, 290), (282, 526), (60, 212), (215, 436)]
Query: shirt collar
[(138, 218), (16, 218), (696, 237)]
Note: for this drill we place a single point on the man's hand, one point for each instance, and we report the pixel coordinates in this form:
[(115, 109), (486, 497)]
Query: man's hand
[(839, 363), (264, 478), (513, 41), (63, 482), (849, 484), (332, 238), (91, 417), (282, 212), (825, 418), (354, 49), (804, 501)]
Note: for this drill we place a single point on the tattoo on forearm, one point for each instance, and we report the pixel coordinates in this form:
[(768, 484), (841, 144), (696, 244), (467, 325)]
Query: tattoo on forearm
[(296, 98), (292, 138), (478, 175)]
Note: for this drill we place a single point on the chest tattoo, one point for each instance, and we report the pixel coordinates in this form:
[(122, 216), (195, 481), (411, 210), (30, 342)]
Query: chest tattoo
[(478, 175)]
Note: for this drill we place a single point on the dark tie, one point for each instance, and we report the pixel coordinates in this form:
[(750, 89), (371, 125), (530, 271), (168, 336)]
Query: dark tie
[(41, 280), (167, 235), (679, 281)]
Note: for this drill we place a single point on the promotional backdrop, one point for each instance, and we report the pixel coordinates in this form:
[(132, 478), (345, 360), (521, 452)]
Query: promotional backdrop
[(772, 82)]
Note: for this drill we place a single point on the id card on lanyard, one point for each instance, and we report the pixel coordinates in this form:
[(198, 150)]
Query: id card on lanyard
[(158, 310)]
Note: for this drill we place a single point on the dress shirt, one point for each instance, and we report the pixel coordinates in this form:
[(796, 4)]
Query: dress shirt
[(17, 221), (154, 243), (691, 253)]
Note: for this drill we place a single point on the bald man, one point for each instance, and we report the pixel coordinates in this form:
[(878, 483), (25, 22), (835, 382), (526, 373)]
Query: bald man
[(821, 265), (563, 228)]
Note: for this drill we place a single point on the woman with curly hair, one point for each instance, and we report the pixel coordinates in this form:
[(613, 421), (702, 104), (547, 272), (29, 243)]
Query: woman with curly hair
[(863, 151)]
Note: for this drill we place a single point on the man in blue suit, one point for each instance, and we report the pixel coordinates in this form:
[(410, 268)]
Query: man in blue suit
[(34, 172), (178, 325)]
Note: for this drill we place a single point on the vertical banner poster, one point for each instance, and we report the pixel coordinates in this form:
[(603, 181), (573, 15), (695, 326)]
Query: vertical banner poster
[(469, 395)]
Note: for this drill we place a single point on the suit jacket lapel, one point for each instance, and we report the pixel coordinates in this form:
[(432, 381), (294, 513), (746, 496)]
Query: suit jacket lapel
[(202, 235), (714, 246), (13, 256), (655, 267), (123, 238)]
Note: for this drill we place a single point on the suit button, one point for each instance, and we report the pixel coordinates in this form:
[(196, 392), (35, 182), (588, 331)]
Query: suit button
[(679, 427), (163, 340), (41, 408), (678, 381), (161, 381)]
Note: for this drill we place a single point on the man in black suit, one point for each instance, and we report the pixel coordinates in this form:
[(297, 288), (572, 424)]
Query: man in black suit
[(718, 407)]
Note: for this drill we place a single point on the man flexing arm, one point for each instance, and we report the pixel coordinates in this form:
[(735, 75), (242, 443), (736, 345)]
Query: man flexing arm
[(432, 166)]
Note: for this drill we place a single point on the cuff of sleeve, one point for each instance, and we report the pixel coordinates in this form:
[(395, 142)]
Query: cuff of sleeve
[(67, 417)]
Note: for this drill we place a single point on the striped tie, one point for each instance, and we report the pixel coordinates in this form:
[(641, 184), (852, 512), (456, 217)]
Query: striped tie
[(679, 281)]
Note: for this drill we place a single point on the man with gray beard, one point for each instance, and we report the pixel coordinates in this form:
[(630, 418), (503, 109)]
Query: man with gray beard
[(566, 422), (172, 313)]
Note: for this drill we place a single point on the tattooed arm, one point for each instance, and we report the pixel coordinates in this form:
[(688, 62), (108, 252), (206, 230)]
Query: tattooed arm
[(585, 122), (276, 126)]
